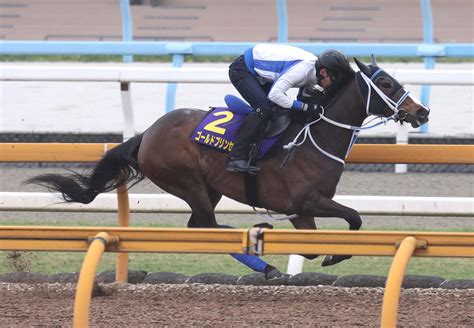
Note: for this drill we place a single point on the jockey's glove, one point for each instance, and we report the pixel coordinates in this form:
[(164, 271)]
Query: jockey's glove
[(312, 108)]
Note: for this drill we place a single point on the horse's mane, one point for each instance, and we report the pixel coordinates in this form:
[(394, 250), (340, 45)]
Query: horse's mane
[(337, 90), (327, 99)]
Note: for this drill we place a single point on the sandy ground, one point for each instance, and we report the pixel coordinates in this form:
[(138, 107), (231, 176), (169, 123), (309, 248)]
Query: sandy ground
[(198, 305)]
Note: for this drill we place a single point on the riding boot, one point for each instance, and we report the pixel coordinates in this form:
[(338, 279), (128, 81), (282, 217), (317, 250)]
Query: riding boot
[(248, 133)]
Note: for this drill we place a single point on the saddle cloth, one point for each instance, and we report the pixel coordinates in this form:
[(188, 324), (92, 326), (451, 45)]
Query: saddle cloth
[(219, 128)]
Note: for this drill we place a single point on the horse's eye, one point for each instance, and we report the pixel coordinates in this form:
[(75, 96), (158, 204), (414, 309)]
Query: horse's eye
[(386, 85)]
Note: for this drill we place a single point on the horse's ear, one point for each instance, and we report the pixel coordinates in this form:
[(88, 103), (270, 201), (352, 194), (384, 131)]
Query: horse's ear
[(374, 62), (364, 68)]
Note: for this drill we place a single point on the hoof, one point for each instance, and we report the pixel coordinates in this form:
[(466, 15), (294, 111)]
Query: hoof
[(272, 273), (310, 256), (334, 259)]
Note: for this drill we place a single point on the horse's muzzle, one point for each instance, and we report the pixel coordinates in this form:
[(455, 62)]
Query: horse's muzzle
[(422, 115), (419, 118)]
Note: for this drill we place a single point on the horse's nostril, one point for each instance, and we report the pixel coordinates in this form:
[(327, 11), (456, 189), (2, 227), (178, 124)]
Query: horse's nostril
[(423, 113)]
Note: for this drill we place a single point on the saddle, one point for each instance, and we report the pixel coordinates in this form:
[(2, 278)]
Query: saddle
[(278, 123), (219, 128)]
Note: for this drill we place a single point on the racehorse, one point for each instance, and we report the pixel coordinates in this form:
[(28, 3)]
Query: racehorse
[(302, 184)]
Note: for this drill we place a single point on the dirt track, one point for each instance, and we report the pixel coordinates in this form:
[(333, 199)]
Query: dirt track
[(218, 305)]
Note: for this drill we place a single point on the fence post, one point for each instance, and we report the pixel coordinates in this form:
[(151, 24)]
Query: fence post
[(295, 264), (178, 61), (121, 264), (429, 61), (395, 280), (402, 138), (127, 107), (282, 21), (86, 279), (127, 26)]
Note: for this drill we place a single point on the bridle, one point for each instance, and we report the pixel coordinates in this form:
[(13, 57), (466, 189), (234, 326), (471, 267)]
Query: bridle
[(398, 115)]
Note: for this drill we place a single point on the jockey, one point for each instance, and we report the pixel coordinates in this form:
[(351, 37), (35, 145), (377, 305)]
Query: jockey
[(263, 75)]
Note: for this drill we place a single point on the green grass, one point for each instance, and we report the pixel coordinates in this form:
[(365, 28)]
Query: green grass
[(191, 264), (243, 225)]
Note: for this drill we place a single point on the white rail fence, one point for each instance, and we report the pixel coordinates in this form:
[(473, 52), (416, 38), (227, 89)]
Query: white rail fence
[(130, 73), (166, 203), (149, 74)]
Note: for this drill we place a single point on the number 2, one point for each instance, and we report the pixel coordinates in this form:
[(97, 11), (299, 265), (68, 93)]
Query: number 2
[(214, 126)]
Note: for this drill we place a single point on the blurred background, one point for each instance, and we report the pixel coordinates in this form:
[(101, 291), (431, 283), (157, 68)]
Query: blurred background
[(237, 21)]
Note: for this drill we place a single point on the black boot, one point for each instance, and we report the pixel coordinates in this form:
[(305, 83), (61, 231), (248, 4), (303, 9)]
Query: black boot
[(248, 132), (241, 165)]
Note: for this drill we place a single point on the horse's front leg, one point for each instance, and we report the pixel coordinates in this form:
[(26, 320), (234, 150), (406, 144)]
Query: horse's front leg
[(305, 222), (329, 208)]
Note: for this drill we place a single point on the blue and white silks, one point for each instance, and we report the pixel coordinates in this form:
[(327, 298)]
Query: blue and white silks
[(284, 66)]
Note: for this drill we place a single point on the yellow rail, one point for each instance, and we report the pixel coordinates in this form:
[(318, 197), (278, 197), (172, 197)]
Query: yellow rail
[(412, 154), (395, 280), (360, 153), (366, 243), (121, 262), (53, 152), (256, 240), (86, 278), (223, 241)]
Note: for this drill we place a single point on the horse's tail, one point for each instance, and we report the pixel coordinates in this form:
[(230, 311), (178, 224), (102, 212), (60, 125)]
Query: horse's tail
[(118, 167)]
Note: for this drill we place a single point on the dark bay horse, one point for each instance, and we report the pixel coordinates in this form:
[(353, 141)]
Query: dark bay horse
[(304, 185)]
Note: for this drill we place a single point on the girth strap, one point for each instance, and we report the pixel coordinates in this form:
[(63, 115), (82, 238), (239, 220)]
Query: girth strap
[(251, 190)]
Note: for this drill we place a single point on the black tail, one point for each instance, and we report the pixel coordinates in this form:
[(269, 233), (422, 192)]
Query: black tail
[(118, 167)]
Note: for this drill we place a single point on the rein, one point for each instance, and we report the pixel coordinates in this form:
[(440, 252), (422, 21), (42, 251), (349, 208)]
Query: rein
[(356, 129)]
